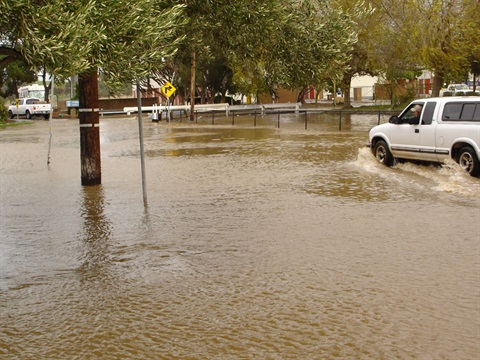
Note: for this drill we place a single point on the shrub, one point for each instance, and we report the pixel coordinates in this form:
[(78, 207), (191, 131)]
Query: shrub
[(3, 112), (447, 93)]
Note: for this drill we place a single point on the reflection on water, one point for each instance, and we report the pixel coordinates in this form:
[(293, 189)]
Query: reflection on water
[(259, 243), (95, 234)]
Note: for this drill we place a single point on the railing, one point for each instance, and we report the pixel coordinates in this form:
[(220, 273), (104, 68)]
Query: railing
[(258, 110), (211, 107)]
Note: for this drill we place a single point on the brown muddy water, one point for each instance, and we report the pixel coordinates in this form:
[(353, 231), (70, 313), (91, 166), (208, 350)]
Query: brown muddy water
[(257, 243)]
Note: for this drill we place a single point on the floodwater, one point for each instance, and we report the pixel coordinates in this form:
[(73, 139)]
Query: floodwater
[(257, 243)]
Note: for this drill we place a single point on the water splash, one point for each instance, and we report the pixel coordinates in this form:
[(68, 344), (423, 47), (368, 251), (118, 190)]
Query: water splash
[(447, 177)]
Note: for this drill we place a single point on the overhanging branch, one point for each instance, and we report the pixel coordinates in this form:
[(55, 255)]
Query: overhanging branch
[(9, 55)]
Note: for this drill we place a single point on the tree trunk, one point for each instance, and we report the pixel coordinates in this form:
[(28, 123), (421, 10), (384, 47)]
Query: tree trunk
[(437, 85), (347, 82), (46, 87), (301, 95), (88, 114), (192, 87)]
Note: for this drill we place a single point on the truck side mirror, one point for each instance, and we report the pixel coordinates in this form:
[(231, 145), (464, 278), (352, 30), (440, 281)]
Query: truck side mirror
[(393, 119)]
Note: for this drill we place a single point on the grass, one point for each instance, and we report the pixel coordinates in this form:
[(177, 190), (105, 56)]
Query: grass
[(7, 123)]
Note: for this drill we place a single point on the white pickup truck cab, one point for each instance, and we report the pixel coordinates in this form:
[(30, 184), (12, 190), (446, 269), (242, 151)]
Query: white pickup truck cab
[(29, 107), (432, 130)]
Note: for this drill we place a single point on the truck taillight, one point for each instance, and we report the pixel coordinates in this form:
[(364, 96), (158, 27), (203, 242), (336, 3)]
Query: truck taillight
[(34, 108)]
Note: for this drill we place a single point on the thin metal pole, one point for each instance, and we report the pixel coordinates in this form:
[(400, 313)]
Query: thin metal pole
[(50, 119), (142, 155), (305, 119), (168, 112), (255, 119), (278, 120), (340, 122)]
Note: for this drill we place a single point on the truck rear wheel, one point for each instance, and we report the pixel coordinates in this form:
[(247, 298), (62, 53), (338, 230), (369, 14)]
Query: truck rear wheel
[(27, 113), (382, 153), (468, 161)]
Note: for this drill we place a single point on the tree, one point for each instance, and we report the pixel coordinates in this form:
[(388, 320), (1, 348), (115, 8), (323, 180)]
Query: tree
[(13, 76), (125, 40), (318, 46), (318, 40), (261, 45), (469, 38), (438, 35), (366, 20)]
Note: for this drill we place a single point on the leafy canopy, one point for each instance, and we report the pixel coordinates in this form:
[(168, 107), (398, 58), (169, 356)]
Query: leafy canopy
[(125, 39)]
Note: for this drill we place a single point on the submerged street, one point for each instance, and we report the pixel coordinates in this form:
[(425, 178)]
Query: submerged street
[(257, 243)]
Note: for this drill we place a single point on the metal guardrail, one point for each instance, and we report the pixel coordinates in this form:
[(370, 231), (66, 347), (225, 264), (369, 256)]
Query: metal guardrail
[(252, 110), (341, 113), (212, 107)]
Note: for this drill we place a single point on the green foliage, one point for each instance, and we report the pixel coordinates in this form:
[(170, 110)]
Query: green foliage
[(3, 112), (16, 74), (251, 46), (315, 43), (124, 39), (263, 44)]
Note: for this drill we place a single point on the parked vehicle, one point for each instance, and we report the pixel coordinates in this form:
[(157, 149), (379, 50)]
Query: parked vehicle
[(31, 91), (458, 90), (29, 107), (446, 127)]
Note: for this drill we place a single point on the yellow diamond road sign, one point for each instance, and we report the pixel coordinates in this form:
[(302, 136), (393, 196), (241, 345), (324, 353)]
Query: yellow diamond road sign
[(168, 89)]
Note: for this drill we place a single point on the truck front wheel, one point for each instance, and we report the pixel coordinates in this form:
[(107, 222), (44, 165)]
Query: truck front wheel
[(27, 113), (10, 114), (382, 153), (468, 161)]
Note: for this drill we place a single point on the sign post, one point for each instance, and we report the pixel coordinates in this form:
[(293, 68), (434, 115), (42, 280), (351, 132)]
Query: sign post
[(168, 89), (50, 118), (142, 153)]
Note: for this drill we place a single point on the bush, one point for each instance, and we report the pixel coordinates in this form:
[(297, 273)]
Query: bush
[(3, 112), (447, 93)]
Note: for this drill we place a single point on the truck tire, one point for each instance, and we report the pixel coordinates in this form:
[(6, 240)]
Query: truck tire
[(10, 114), (468, 161), (383, 154), (27, 113)]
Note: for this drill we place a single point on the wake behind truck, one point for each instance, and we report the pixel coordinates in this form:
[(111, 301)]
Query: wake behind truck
[(29, 107)]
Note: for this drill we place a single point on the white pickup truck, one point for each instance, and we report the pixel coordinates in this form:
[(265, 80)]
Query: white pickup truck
[(432, 130), (29, 107)]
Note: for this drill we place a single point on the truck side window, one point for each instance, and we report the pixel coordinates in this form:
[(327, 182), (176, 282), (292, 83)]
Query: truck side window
[(428, 113), (476, 114), (470, 112), (452, 111), (411, 115), (461, 111)]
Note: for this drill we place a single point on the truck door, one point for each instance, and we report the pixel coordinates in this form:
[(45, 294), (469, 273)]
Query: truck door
[(427, 131), (405, 137)]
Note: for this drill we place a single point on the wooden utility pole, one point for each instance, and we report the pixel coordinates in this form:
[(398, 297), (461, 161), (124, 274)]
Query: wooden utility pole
[(88, 114)]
